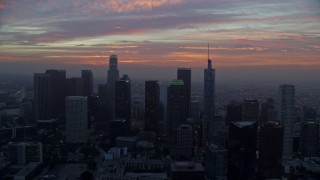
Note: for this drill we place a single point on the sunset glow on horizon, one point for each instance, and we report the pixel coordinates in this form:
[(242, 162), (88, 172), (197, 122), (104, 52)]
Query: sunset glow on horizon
[(160, 33)]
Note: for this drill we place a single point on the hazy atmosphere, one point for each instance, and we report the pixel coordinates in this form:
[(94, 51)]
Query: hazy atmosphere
[(250, 40)]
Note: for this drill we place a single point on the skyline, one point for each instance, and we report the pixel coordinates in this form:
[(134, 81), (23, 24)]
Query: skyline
[(271, 38)]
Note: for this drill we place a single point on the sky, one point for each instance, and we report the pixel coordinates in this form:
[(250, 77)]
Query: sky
[(249, 39)]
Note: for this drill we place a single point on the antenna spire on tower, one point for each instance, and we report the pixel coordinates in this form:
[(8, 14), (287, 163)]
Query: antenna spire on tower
[(208, 52)]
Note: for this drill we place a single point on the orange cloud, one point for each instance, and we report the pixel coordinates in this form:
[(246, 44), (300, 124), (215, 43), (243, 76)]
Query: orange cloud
[(136, 5)]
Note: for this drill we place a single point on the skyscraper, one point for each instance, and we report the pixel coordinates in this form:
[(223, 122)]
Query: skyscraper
[(176, 108), (42, 98), (234, 112), (152, 103), (185, 141), (268, 112), (250, 110), (87, 78), (270, 150), (123, 99), (185, 75), (113, 76), (49, 94), (75, 86), (76, 119), (286, 117), (58, 88), (309, 138), (242, 148), (209, 103)]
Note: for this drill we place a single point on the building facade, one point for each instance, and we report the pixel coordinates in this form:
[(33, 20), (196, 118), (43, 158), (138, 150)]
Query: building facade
[(76, 119), (286, 117), (152, 106)]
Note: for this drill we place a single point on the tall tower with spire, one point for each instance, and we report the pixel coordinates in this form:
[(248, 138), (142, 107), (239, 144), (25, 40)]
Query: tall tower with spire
[(113, 76), (209, 103)]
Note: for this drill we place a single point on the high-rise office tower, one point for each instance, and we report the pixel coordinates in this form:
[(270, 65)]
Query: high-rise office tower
[(22, 153), (209, 103), (102, 93), (123, 99), (242, 149), (185, 141), (216, 162), (176, 108), (195, 110), (250, 110), (234, 112), (268, 112), (58, 88), (185, 75), (75, 87), (113, 76), (42, 98), (76, 119), (270, 150), (87, 78), (309, 138), (152, 105), (286, 117)]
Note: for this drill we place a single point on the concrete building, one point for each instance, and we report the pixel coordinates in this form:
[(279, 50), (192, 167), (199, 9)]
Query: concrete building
[(76, 119), (23, 153)]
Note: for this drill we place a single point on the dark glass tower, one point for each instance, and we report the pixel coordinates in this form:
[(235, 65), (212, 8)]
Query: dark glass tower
[(42, 100), (75, 87), (176, 108), (250, 110), (234, 112), (152, 102), (113, 76), (242, 148), (185, 75), (58, 91), (87, 78), (270, 150), (123, 99), (209, 104)]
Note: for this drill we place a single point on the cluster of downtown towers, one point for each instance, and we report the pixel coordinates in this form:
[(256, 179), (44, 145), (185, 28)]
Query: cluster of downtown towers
[(57, 97), (53, 91)]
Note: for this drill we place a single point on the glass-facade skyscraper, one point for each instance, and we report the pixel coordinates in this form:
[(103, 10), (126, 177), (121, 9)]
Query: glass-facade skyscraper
[(209, 103)]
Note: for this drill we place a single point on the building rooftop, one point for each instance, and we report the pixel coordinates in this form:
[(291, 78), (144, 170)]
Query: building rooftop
[(28, 169), (242, 124), (177, 82), (76, 98), (186, 166)]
